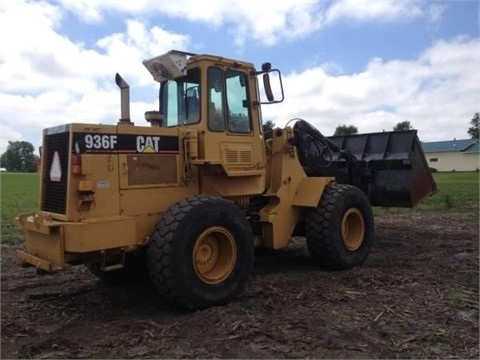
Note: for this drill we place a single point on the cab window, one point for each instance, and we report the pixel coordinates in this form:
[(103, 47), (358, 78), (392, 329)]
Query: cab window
[(238, 113), (180, 99)]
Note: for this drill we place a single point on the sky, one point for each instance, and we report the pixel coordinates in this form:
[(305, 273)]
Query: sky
[(367, 63)]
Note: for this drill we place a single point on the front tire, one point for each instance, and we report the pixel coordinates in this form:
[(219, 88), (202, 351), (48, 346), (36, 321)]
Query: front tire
[(340, 230), (201, 252)]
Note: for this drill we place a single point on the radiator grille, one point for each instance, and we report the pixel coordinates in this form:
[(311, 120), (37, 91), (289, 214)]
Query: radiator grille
[(54, 193), (245, 156), (233, 156)]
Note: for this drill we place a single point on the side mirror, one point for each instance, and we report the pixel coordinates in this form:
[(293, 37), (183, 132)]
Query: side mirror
[(268, 87), (266, 67)]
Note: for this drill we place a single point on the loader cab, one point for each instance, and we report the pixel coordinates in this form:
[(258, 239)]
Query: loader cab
[(226, 100), (219, 99)]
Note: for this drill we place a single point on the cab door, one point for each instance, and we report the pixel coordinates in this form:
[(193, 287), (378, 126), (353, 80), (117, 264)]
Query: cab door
[(233, 141)]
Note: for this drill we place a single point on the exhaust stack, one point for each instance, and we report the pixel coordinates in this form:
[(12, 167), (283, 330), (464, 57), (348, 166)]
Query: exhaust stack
[(124, 100)]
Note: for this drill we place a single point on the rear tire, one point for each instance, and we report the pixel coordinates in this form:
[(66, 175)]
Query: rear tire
[(201, 252), (340, 230)]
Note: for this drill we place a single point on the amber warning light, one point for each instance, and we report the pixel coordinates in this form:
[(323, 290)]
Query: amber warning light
[(76, 164)]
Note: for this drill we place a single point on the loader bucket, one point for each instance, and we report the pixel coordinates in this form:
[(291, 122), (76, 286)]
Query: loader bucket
[(389, 167), (395, 171)]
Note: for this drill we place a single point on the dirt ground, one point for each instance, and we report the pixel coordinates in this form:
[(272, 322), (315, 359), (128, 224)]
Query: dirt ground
[(415, 297)]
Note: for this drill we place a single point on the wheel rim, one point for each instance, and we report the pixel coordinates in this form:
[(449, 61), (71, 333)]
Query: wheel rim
[(214, 255), (353, 229)]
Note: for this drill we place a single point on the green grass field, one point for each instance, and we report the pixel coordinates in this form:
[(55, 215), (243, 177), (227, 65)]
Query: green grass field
[(459, 191), (19, 193)]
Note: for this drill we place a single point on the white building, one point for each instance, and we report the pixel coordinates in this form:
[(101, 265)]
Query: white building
[(454, 155)]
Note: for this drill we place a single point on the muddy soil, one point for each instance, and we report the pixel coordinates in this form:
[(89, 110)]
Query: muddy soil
[(415, 297)]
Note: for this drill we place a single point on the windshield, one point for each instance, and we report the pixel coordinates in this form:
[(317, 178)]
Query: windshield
[(180, 99)]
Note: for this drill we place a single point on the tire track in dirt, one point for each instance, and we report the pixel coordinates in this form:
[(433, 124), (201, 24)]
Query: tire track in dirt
[(415, 297)]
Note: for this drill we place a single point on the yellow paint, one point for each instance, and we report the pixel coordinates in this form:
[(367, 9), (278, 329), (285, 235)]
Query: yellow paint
[(105, 211)]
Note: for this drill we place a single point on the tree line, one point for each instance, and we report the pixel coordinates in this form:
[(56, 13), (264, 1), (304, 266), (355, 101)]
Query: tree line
[(342, 130), (473, 130), (19, 157), (352, 130)]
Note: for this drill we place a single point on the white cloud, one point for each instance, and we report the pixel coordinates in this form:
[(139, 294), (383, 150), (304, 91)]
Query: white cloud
[(267, 22), (378, 10), (435, 13), (8, 134), (438, 93), (126, 50), (48, 80)]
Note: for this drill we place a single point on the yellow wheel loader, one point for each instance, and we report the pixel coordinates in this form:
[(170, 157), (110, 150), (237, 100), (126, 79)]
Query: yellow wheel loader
[(187, 199)]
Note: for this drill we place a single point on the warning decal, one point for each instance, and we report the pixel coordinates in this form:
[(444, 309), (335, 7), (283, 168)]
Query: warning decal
[(56, 169)]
